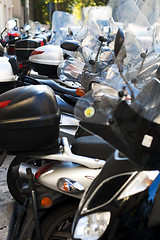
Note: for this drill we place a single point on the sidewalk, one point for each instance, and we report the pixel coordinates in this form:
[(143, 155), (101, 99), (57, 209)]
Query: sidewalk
[(6, 200)]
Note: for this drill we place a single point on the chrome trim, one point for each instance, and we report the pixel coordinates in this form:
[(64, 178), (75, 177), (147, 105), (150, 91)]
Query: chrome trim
[(22, 170), (24, 49)]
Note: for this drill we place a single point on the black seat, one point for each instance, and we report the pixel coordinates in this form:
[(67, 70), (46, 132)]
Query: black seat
[(92, 146)]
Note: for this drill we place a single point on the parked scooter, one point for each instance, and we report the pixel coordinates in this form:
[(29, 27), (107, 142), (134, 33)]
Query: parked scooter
[(73, 174), (66, 190), (65, 154), (8, 68), (45, 60), (12, 35), (89, 114), (11, 78), (123, 201), (77, 146), (84, 167), (56, 176)]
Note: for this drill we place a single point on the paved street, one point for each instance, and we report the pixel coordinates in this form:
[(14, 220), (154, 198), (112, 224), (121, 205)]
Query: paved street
[(6, 201)]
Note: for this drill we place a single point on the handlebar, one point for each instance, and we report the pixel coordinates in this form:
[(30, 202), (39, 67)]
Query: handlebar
[(5, 42)]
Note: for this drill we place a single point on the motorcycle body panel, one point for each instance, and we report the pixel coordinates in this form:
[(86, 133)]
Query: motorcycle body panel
[(137, 216), (7, 78), (70, 172), (6, 72), (46, 59), (134, 216)]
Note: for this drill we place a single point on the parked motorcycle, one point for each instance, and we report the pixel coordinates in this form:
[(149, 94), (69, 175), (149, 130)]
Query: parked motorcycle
[(45, 60), (78, 147), (65, 154), (88, 112), (8, 73), (66, 189), (12, 35), (122, 202)]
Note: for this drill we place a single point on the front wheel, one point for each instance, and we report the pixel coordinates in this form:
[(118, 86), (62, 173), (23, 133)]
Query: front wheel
[(57, 224)]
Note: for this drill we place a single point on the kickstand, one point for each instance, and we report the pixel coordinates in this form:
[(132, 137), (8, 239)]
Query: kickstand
[(34, 203)]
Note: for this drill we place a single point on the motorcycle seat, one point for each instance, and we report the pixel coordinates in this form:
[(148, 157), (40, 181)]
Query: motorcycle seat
[(92, 146)]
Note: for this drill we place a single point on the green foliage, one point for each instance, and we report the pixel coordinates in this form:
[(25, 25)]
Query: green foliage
[(71, 6)]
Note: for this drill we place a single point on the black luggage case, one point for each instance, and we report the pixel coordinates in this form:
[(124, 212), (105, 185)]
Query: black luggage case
[(24, 48), (29, 119)]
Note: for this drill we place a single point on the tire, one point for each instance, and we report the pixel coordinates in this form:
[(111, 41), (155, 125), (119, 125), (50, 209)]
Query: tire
[(57, 224), (13, 181)]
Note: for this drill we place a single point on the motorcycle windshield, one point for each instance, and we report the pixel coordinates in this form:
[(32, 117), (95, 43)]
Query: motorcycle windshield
[(64, 26), (97, 24), (36, 27), (124, 107), (140, 48)]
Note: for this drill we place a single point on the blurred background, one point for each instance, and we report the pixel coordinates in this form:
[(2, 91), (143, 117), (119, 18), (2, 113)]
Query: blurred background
[(26, 11)]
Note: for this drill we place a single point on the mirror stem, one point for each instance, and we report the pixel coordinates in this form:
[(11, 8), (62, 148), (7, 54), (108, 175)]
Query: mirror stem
[(126, 82), (143, 56), (3, 32), (95, 65)]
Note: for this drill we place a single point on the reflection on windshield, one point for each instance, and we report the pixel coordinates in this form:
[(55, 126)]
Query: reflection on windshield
[(139, 66), (126, 112), (64, 26)]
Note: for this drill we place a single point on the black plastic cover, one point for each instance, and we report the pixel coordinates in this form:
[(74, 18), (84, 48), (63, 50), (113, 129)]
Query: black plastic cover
[(44, 69), (133, 128), (27, 43), (29, 119), (24, 47)]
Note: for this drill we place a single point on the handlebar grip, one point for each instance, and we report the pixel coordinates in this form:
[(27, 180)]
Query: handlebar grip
[(102, 39)]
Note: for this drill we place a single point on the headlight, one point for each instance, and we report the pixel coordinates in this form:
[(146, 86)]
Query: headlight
[(91, 227), (141, 182)]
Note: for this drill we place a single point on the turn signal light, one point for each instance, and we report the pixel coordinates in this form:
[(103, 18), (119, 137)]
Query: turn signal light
[(66, 187), (46, 202), (80, 92), (69, 186)]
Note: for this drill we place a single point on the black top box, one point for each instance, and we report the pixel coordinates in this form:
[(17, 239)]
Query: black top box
[(29, 119), (24, 48)]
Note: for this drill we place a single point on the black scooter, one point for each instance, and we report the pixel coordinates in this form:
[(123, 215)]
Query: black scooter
[(123, 201)]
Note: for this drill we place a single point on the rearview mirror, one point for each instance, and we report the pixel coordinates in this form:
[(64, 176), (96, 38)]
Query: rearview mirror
[(118, 41), (27, 28), (119, 49), (11, 23), (70, 45)]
